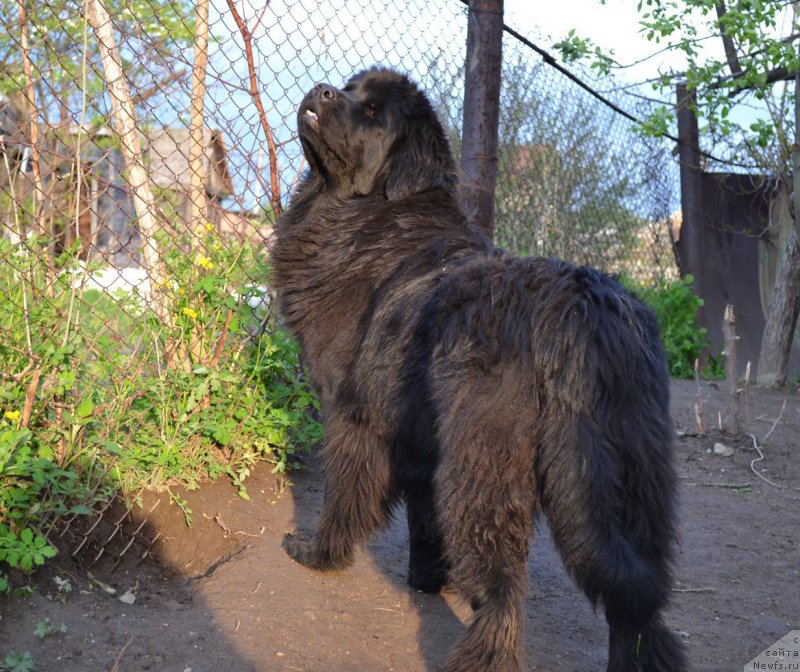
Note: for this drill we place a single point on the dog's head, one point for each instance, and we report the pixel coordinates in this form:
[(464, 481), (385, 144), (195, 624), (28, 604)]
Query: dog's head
[(379, 134)]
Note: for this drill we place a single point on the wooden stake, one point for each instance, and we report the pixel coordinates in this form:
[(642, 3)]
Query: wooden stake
[(731, 370), (698, 402)]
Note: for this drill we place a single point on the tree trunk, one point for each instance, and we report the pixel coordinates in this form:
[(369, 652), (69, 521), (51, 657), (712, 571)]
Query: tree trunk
[(125, 124), (776, 342), (197, 175)]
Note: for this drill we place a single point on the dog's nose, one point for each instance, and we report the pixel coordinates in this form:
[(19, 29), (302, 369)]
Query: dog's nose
[(325, 92)]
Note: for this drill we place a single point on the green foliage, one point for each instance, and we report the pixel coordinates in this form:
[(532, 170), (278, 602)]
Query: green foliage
[(45, 628), (18, 661), (154, 31), (574, 48), (675, 306), (121, 401), (33, 489)]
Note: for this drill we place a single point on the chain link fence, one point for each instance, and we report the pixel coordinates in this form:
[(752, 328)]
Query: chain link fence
[(145, 152)]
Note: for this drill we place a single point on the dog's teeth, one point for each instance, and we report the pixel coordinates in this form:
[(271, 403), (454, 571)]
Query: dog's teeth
[(311, 114)]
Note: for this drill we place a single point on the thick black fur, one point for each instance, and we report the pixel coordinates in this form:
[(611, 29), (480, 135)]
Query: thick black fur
[(477, 387)]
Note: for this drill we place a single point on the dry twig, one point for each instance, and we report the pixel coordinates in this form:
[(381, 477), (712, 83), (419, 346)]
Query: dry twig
[(115, 667)]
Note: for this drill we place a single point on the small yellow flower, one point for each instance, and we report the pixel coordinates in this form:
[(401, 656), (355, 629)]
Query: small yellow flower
[(190, 312), (12, 415), (205, 262), (210, 227)]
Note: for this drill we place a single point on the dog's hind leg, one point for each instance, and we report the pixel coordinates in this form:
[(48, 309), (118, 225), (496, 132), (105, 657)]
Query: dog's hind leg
[(485, 497), (607, 488), (358, 495), (427, 569)]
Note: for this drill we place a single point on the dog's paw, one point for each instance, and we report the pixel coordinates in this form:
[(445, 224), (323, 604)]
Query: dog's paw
[(301, 550), (431, 582), (308, 553)]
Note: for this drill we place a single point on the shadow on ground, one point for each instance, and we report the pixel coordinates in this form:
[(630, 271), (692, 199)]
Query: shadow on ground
[(224, 595)]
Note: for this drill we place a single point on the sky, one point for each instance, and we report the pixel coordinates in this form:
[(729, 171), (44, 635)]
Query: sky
[(613, 26)]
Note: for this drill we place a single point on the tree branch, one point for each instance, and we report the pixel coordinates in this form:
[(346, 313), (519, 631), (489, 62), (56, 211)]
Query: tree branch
[(142, 96), (275, 195), (727, 41)]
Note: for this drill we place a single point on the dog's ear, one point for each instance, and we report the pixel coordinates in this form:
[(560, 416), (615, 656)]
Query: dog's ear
[(420, 160)]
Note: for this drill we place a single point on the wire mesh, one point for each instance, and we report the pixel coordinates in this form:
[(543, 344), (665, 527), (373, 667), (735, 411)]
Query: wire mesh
[(110, 283)]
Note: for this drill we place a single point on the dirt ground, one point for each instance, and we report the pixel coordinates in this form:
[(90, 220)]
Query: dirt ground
[(224, 596)]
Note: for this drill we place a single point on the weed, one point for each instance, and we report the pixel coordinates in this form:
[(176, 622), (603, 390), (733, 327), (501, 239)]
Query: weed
[(18, 661), (675, 306), (100, 396), (45, 628), (63, 586)]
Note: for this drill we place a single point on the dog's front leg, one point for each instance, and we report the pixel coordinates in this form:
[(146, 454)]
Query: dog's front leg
[(358, 496)]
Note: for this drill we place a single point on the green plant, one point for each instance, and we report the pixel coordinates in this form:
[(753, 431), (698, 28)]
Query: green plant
[(793, 382), (675, 306), (18, 661), (45, 628), (121, 401), (28, 473), (63, 588)]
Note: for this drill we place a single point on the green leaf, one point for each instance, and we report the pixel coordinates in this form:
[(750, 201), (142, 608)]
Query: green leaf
[(19, 661), (81, 509), (84, 408)]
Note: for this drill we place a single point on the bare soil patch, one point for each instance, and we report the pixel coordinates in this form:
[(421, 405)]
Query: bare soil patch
[(224, 596)]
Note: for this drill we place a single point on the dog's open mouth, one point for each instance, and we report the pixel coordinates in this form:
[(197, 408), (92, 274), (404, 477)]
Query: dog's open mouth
[(309, 116)]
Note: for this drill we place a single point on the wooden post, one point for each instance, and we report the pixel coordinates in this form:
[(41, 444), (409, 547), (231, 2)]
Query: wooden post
[(690, 247), (482, 111), (732, 424), (698, 401)]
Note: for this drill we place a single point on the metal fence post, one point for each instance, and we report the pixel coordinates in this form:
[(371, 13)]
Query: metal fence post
[(481, 110)]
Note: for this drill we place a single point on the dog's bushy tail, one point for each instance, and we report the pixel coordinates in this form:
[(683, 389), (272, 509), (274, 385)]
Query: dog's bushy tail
[(651, 648), (605, 466)]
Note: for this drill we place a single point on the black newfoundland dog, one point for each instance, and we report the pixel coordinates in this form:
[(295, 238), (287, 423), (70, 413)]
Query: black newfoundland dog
[(478, 388)]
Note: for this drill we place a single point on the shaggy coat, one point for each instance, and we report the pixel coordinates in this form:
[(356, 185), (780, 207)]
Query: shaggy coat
[(478, 388)]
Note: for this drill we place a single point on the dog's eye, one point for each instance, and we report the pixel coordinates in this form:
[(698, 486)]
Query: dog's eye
[(371, 110)]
